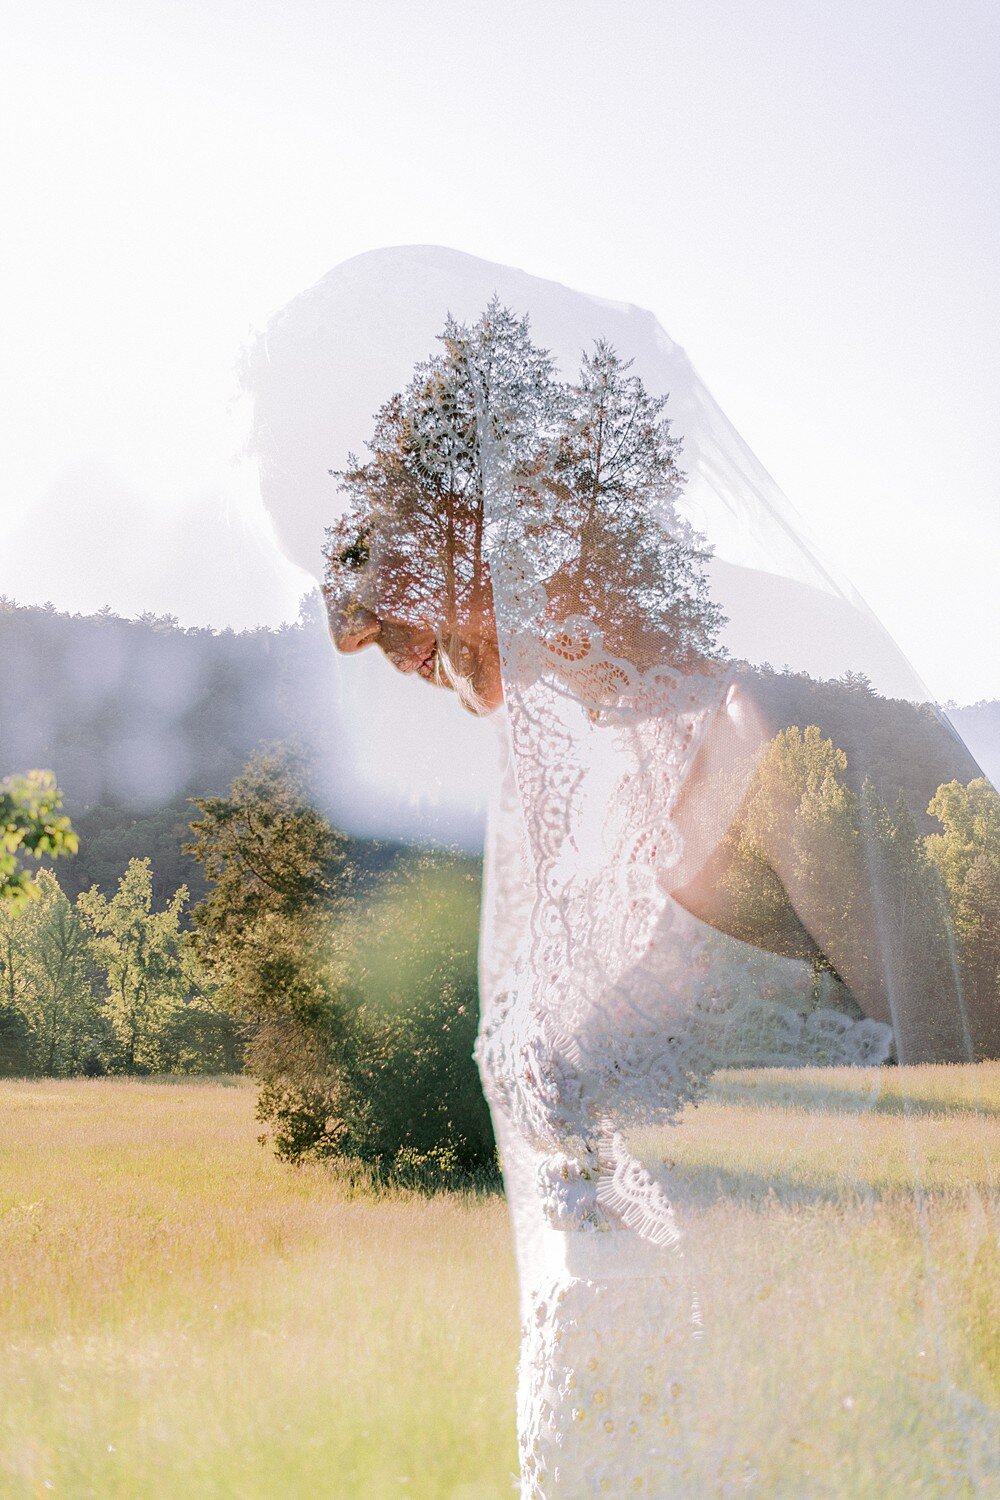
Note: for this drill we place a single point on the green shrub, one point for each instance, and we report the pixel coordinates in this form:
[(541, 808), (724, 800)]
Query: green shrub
[(381, 1070)]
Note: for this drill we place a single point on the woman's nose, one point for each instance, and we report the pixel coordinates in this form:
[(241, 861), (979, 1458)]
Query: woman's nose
[(354, 629)]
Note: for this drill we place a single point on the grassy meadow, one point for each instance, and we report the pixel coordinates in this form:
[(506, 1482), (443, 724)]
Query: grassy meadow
[(185, 1316)]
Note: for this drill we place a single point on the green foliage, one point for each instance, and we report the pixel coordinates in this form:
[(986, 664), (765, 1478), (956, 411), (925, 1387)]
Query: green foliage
[(113, 983), (970, 816), (265, 850), (800, 797), (967, 856), (198, 1036), (359, 1013), (614, 480), (914, 928), (30, 825), (267, 936), (106, 985), (46, 976), (383, 1071), (856, 872), (111, 835), (139, 956), (892, 742), (410, 1023), (594, 469)]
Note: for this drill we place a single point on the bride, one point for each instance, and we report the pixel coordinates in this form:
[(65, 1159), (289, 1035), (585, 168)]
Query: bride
[(694, 861)]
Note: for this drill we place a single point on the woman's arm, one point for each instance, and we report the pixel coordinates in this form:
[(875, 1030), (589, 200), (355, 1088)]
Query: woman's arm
[(778, 853)]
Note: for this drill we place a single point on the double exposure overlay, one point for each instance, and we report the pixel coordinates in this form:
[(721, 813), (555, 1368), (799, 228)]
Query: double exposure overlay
[(738, 869)]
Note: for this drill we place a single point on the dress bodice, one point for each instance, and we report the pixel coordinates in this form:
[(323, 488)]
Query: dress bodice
[(703, 1001), (606, 1005), (643, 1003)]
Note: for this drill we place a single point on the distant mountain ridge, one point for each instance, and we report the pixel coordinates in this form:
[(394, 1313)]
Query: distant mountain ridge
[(136, 717), (140, 714), (979, 726), (136, 712)]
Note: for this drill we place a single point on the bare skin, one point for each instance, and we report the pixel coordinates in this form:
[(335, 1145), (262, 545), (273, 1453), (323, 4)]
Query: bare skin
[(710, 808), (869, 954), (471, 643)]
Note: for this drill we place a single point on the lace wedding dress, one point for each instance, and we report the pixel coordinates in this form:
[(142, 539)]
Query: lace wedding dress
[(575, 1051), (636, 609)]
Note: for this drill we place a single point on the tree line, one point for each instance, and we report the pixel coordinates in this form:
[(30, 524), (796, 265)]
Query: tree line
[(135, 715), (339, 973), (105, 984), (347, 988), (936, 893)]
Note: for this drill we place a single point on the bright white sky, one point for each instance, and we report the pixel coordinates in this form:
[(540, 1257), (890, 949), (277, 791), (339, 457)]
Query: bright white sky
[(805, 194)]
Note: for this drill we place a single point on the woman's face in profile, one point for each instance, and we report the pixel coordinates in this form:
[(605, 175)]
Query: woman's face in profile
[(378, 595)]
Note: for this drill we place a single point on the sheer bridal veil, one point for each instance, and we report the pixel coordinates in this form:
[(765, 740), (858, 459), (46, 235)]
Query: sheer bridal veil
[(738, 866)]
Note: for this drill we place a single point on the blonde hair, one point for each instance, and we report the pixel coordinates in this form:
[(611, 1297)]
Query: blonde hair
[(446, 673)]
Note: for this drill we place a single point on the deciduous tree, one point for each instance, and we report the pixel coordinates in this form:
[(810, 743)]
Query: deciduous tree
[(139, 953), (45, 972), (31, 826), (967, 856)]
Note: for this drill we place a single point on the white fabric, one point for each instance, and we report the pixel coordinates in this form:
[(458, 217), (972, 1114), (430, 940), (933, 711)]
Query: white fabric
[(606, 1004)]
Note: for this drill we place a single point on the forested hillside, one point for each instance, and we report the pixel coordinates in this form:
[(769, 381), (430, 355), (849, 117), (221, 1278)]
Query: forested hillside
[(135, 717), (132, 713)]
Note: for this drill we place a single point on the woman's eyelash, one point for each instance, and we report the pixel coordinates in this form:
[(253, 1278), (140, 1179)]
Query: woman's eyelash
[(357, 554)]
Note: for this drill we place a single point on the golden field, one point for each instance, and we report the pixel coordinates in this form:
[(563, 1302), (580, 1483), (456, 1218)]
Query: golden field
[(185, 1316)]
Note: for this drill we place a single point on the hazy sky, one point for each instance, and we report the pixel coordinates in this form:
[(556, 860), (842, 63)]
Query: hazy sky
[(805, 194)]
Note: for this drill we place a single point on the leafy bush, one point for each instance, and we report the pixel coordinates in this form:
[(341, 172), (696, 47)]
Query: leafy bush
[(382, 1070), (358, 998)]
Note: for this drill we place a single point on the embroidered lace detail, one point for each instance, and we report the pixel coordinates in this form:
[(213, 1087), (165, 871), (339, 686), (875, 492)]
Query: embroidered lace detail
[(606, 1006), (600, 1401), (700, 1002), (632, 1197)]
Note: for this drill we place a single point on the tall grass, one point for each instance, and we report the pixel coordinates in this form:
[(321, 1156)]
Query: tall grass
[(842, 1228), (184, 1316)]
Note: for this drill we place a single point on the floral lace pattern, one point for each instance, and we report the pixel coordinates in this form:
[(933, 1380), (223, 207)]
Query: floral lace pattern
[(574, 1049), (606, 1005), (600, 1404), (571, 1096)]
